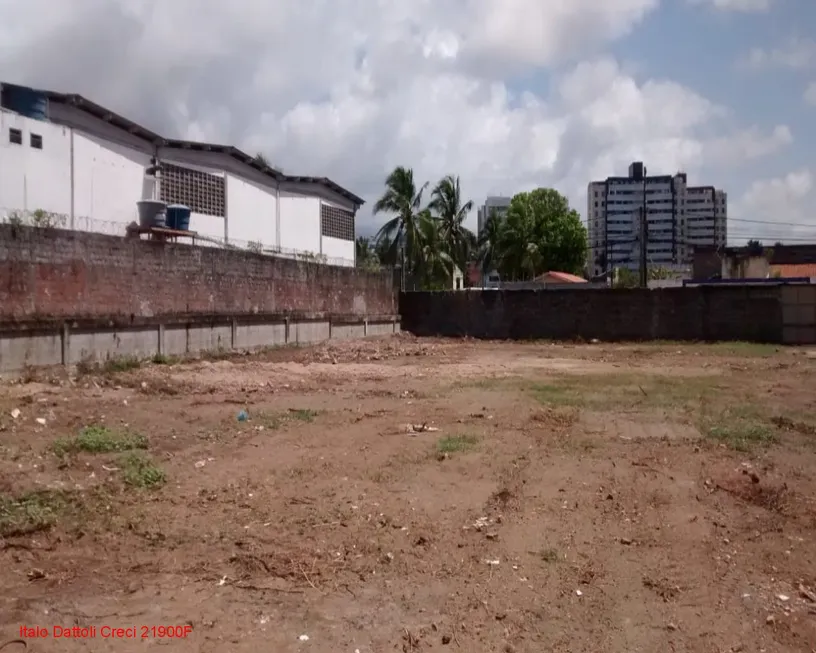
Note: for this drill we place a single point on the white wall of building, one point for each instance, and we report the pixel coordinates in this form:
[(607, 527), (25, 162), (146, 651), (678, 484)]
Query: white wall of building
[(299, 222), (338, 248), (252, 210), (108, 181), (30, 178)]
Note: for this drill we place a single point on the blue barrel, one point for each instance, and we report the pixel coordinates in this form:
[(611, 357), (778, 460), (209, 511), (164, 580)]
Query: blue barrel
[(178, 217)]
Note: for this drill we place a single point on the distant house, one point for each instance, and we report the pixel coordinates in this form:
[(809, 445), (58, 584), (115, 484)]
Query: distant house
[(780, 261)]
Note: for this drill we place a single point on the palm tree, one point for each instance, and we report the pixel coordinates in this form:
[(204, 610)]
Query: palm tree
[(446, 202), (362, 249), (402, 232), (489, 242), (437, 265)]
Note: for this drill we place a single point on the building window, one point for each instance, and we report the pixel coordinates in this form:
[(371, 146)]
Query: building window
[(15, 136), (36, 141), (202, 192), (336, 223)]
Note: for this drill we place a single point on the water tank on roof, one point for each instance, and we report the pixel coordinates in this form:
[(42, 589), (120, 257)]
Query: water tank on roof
[(151, 213), (27, 102), (178, 217)]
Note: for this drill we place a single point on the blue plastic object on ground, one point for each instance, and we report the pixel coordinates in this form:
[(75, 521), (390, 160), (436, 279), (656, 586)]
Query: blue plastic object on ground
[(243, 416)]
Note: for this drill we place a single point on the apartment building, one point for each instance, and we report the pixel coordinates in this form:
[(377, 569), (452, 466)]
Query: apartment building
[(496, 203), (678, 218)]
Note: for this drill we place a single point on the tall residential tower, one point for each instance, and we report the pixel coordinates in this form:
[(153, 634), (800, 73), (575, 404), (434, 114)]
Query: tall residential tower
[(494, 203), (678, 217)]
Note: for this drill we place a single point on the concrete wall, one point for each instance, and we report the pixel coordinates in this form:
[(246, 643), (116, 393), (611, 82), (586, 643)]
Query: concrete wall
[(113, 295), (777, 314), (69, 343)]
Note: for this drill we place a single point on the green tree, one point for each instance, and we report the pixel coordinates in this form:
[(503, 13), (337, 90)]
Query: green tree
[(402, 233), (625, 278), (659, 273), (754, 248), (365, 254), (539, 233), (446, 203)]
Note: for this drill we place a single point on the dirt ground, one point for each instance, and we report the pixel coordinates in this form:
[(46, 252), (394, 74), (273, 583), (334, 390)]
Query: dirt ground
[(416, 495)]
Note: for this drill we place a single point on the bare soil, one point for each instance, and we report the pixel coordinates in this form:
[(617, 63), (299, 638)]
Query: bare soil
[(417, 495)]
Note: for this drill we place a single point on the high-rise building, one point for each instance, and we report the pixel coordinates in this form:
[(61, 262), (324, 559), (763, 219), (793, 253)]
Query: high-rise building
[(496, 203), (678, 218)]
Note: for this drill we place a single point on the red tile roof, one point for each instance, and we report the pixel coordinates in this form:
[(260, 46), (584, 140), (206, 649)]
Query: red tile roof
[(560, 277), (794, 270)]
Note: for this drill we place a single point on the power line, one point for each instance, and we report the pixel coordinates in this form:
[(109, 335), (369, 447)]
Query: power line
[(812, 225)]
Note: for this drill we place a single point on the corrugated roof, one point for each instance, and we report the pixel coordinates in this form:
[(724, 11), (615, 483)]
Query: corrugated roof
[(129, 126)]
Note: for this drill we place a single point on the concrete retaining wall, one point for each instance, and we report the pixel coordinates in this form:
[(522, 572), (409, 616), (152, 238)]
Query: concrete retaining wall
[(63, 343)]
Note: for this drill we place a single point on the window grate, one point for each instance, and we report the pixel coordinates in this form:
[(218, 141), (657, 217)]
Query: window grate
[(36, 141), (15, 136), (336, 223), (202, 192)]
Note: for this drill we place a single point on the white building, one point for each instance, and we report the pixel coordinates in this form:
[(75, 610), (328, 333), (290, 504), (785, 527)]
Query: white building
[(497, 204), (678, 217), (69, 157)]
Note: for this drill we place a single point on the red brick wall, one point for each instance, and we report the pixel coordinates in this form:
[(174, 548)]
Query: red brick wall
[(53, 273)]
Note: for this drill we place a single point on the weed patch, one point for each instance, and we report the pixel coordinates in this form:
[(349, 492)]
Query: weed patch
[(277, 420), (139, 470), (100, 439), (164, 359), (739, 433), (121, 364), (30, 513), (456, 443), (624, 391), (303, 414)]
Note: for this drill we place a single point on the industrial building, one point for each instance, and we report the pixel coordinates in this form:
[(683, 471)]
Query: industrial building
[(67, 157), (678, 218)]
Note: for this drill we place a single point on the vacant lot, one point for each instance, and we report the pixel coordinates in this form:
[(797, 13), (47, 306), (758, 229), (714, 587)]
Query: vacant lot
[(417, 495)]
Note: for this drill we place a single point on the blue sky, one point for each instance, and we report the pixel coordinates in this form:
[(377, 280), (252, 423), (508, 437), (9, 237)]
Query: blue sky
[(715, 52), (507, 94)]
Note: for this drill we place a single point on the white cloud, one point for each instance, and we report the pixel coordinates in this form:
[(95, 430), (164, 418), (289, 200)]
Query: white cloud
[(810, 94), (797, 53), (747, 145), (752, 6), (351, 88), (784, 203)]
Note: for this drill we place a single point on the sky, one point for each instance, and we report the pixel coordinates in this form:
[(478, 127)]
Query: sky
[(507, 94)]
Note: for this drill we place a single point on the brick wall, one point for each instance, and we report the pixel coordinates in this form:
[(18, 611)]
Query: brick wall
[(55, 274), (699, 313)]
